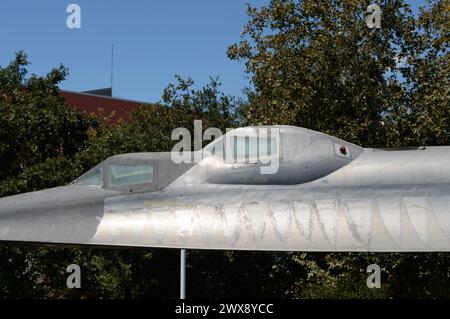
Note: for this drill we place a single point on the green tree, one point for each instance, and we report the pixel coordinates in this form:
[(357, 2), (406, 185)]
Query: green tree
[(35, 125), (427, 85), (318, 65)]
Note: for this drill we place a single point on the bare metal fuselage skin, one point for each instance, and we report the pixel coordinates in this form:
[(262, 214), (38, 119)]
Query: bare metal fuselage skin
[(321, 198)]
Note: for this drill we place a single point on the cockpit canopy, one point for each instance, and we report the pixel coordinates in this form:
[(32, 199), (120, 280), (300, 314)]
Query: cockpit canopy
[(277, 155), (271, 155), (119, 175), (134, 172)]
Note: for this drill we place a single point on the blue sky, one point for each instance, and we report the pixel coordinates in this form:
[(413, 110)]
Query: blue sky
[(153, 40)]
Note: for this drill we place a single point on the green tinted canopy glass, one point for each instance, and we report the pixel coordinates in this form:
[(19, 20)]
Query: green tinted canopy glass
[(252, 148), (129, 174), (94, 177)]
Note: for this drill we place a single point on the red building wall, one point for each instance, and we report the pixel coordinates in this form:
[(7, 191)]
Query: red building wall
[(92, 103)]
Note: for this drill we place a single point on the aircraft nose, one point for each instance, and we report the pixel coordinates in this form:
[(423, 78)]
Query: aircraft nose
[(57, 215), (58, 199), (8, 205), (26, 202)]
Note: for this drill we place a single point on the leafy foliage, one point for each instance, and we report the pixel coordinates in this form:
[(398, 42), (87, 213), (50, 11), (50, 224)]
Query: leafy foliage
[(35, 125), (317, 65)]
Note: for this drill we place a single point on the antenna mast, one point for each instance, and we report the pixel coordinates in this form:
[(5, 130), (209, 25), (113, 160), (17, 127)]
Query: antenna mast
[(112, 66)]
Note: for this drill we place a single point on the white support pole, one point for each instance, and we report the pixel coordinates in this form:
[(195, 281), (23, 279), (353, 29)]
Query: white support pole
[(183, 274)]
